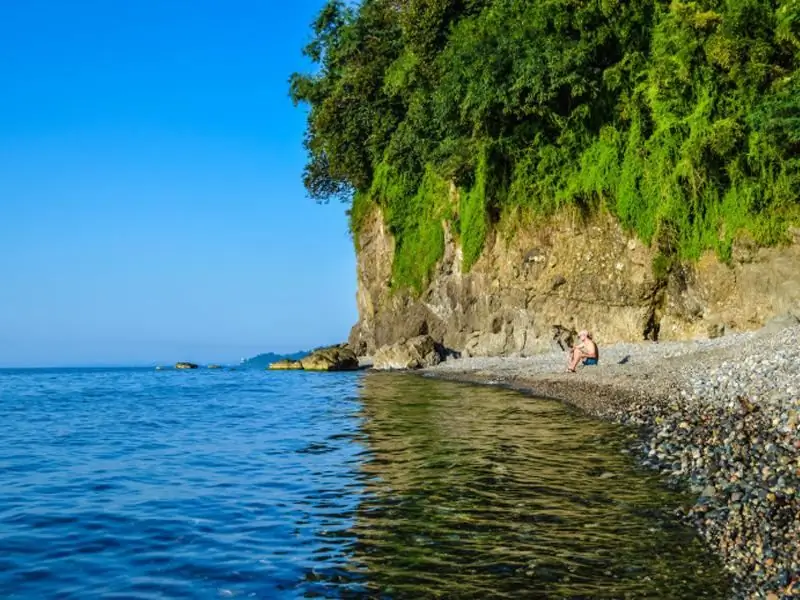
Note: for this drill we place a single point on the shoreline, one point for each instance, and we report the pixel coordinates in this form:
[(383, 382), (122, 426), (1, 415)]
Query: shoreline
[(721, 416)]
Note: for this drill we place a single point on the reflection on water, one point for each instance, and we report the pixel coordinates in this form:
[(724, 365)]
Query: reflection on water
[(478, 492), (210, 484)]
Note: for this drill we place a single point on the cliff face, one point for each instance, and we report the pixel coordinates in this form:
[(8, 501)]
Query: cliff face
[(580, 275)]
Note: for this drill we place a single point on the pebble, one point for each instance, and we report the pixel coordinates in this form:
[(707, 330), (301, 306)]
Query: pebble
[(722, 416)]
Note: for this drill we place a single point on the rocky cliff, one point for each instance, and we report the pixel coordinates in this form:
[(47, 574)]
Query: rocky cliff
[(569, 272)]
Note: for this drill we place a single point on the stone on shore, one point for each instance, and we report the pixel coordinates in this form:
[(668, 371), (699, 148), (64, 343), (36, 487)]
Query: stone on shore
[(780, 323), (285, 365), (417, 353), (333, 358), (185, 365)]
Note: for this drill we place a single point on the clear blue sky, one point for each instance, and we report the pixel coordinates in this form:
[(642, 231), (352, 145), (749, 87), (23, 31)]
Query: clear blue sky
[(151, 203)]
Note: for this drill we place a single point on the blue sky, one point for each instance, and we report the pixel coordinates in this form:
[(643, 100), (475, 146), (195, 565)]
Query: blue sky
[(151, 203)]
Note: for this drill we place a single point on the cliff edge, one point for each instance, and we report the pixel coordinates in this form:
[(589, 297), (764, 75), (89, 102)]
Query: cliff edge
[(567, 272)]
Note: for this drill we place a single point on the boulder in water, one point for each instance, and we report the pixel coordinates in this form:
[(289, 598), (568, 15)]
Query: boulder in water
[(185, 365), (286, 365), (332, 358)]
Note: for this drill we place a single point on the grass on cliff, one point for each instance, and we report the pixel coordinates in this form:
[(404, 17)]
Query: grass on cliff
[(416, 223), (416, 217), (474, 215)]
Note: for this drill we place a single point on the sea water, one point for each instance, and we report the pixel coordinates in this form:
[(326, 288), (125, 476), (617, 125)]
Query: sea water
[(239, 484)]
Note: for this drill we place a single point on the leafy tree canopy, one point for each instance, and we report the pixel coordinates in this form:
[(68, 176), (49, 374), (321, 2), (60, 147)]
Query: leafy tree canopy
[(680, 118)]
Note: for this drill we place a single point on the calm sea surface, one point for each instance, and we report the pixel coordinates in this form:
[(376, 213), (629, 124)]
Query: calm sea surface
[(217, 484)]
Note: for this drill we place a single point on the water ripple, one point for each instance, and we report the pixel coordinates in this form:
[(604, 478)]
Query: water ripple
[(215, 484)]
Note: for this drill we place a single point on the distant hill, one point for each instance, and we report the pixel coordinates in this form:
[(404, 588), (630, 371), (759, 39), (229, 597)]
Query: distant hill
[(262, 361)]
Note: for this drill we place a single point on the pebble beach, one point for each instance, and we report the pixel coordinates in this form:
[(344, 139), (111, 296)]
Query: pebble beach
[(721, 416)]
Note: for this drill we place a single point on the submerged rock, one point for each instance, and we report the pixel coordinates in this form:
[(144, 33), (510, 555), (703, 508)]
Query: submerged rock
[(333, 358), (417, 353)]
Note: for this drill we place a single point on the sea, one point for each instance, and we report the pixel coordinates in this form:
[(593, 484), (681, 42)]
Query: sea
[(137, 483)]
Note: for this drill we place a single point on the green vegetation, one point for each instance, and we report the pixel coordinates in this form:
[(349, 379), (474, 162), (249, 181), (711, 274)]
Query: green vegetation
[(416, 221), (680, 118), (262, 361)]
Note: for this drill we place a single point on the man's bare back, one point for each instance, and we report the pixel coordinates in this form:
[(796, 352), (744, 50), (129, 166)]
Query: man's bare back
[(588, 348)]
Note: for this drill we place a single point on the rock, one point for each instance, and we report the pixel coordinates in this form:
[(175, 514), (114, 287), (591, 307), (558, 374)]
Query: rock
[(779, 323), (417, 353), (487, 343), (286, 365), (616, 294), (185, 365), (332, 358), (358, 345), (214, 367), (563, 337), (557, 282), (534, 255), (708, 492), (715, 330)]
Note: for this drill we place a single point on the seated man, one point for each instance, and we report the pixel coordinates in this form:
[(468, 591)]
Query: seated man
[(585, 351)]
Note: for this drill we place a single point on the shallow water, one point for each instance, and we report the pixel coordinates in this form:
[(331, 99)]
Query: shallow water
[(204, 484)]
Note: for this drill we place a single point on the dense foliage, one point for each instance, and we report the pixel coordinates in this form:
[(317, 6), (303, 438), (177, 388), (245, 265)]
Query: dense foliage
[(680, 118)]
